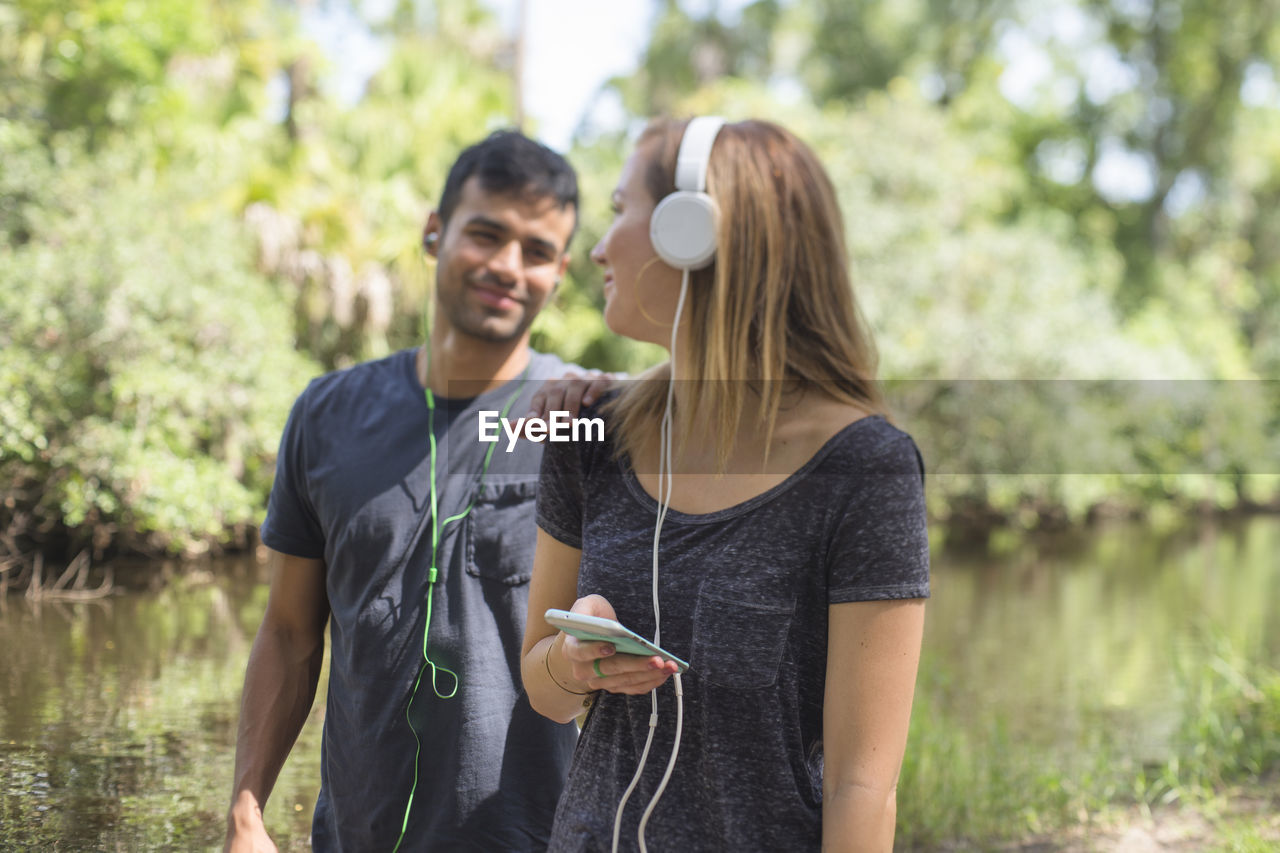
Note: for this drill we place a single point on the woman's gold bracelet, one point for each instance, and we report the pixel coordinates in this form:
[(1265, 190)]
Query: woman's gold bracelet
[(546, 659)]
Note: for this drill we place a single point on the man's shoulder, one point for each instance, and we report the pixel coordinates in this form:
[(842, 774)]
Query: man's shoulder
[(368, 378), (546, 365)]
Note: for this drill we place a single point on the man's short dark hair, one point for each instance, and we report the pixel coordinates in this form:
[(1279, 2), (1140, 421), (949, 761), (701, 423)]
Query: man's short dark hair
[(508, 162)]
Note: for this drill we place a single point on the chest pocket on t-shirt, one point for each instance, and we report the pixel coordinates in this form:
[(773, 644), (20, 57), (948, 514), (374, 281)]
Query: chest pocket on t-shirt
[(738, 642), (501, 532)]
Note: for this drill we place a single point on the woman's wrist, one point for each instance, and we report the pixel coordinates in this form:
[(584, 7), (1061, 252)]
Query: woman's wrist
[(546, 660)]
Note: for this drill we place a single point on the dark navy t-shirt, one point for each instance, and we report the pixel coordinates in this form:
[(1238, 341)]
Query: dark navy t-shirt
[(744, 594), (353, 488)]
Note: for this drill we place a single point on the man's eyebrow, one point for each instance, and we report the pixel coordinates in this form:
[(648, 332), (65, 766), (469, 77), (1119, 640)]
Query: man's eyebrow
[(546, 245), (485, 222)]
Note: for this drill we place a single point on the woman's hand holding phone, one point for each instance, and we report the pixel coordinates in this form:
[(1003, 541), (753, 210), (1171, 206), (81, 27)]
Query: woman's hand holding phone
[(600, 667)]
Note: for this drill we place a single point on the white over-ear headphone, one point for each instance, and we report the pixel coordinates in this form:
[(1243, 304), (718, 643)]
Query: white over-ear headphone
[(683, 226)]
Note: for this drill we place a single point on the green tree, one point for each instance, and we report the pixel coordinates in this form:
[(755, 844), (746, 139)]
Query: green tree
[(106, 67), (859, 47), (148, 366), (340, 197), (1162, 81), (686, 52)]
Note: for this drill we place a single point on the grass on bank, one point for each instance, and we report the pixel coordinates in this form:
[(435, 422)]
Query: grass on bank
[(974, 775)]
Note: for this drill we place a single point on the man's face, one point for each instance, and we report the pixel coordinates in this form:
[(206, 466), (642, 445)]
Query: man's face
[(499, 259)]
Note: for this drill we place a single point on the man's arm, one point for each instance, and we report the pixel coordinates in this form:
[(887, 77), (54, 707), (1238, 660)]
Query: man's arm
[(873, 649), (279, 688)]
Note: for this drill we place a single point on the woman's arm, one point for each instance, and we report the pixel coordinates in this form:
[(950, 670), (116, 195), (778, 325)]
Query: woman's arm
[(873, 649), (554, 584), (559, 671)]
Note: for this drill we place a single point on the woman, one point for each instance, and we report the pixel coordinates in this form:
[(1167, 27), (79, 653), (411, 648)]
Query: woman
[(793, 556)]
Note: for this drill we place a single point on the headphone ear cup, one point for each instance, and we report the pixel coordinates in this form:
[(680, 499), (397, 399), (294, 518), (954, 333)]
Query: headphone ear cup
[(683, 229)]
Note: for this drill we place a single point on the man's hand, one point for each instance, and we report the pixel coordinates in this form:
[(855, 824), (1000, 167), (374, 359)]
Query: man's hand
[(570, 393), (246, 832)]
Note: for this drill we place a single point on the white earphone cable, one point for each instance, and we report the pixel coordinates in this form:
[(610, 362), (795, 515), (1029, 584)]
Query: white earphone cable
[(664, 506), (665, 478)]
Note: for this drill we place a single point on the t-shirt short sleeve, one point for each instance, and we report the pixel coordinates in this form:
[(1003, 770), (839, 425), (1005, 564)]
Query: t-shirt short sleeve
[(560, 490), (880, 550), (291, 526)]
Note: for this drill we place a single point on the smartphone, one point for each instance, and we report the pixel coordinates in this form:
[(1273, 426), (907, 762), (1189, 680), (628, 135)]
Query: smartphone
[(593, 628)]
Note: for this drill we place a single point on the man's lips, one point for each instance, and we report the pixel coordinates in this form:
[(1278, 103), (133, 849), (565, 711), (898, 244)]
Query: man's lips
[(493, 296)]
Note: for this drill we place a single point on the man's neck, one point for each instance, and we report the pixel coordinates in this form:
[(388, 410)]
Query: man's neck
[(463, 366)]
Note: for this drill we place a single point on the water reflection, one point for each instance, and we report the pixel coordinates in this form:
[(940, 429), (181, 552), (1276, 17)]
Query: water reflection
[(1102, 624), (118, 730), (118, 723)]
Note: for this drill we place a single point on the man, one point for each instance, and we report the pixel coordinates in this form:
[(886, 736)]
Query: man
[(440, 752)]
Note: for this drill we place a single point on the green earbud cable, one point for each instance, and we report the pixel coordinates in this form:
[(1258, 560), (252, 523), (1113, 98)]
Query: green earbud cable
[(434, 573)]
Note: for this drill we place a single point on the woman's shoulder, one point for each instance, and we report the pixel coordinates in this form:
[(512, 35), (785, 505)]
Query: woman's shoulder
[(865, 443), (590, 443), (876, 446)]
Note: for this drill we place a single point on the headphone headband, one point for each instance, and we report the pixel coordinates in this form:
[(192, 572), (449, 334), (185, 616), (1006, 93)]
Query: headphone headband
[(695, 152)]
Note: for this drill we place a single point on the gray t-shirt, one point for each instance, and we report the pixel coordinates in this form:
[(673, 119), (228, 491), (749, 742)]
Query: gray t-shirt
[(744, 595), (353, 487)]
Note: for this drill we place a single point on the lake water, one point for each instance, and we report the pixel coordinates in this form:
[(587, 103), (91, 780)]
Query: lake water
[(118, 717)]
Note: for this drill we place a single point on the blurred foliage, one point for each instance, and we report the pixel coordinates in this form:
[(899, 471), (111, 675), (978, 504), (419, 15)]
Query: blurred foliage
[(211, 142), (139, 68), (341, 197), (148, 369), (1163, 82), (686, 52)]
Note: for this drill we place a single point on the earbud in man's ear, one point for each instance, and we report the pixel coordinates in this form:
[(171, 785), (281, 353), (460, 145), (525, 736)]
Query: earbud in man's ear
[(429, 240)]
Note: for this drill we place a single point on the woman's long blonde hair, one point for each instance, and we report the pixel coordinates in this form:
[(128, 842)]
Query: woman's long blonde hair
[(777, 305)]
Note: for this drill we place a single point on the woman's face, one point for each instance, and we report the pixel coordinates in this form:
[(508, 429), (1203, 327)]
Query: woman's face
[(640, 290)]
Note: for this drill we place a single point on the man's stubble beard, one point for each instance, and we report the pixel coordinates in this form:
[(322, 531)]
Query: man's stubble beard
[(472, 322)]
